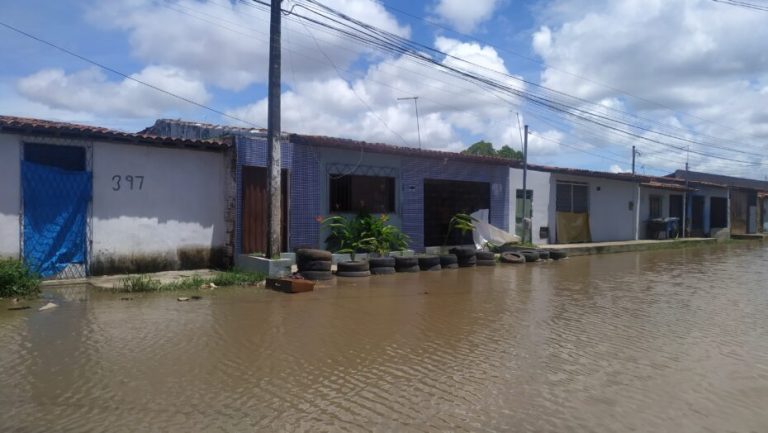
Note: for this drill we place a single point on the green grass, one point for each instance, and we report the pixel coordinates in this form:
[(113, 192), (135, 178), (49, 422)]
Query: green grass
[(145, 283), (16, 280)]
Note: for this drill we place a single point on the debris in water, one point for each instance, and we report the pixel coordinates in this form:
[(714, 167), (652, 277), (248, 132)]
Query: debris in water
[(195, 298), (23, 307), (47, 306), (182, 299), (126, 299)]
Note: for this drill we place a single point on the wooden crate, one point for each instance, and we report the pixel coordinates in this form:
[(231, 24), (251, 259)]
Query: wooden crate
[(290, 285)]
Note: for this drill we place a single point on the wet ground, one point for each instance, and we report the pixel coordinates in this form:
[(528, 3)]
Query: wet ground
[(663, 341)]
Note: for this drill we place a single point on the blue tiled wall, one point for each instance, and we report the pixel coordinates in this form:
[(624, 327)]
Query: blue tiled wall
[(307, 177), (415, 170)]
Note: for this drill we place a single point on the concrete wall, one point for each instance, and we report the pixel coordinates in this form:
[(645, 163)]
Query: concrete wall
[(10, 190), (610, 216), (539, 183), (176, 217)]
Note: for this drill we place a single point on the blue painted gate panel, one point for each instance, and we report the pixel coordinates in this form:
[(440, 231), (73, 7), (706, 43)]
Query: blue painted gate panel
[(55, 217)]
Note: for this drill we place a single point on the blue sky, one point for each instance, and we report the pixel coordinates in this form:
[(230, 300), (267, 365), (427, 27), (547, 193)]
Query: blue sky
[(678, 74)]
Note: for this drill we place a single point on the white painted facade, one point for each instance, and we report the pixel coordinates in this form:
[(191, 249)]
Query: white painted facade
[(147, 200), (539, 183), (10, 189), (178, 202), (612, 207)]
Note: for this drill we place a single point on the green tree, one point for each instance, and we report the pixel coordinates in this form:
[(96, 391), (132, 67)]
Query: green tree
[(508, 152), (485, 148)]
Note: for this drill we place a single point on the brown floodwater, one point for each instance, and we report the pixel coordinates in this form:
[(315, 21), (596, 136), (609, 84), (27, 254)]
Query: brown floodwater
[(666, 341)]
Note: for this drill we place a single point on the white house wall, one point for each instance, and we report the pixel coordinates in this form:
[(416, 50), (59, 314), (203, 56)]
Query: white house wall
[(539, 183), (610, 216), (178, 206), (10, 190)]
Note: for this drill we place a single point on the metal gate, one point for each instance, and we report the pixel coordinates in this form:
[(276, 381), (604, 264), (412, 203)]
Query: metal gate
[(55, 220)]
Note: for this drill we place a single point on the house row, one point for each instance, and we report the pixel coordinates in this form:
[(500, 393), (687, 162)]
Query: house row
[(80, 200)]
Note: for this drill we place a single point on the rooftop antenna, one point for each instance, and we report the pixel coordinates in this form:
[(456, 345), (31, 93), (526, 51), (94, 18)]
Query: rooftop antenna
[(415, 104)]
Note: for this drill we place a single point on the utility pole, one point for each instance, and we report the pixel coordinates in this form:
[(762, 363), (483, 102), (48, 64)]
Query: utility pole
[(274, 203), (525, 182), (633, 159), (416, 104), (685, 195)]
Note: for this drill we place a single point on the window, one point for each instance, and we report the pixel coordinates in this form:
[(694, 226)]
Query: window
[(655, 206), (354, 193), (572, 197)]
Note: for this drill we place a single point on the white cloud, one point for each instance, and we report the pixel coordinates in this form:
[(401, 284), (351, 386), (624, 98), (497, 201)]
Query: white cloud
[(465, 15), (616, 168), (89, 91), (695, 64), (367, 107), (227, 43)]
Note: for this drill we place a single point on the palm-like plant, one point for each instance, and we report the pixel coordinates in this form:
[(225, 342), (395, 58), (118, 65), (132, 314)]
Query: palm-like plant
[(363, 233)]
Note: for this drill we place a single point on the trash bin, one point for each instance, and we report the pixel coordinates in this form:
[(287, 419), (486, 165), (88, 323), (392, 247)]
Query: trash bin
[(663, 228)]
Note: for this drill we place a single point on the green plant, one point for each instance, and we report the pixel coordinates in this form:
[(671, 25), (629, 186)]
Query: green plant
[(236, 277), (461, 222), (16, 279), (145, 283), (363, 233), (139, 283)]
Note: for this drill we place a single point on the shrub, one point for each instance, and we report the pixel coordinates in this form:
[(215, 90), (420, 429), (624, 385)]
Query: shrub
[(364, 233), (16, 279)]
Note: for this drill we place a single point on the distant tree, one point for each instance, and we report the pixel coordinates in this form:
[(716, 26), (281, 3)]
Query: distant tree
[(485, 148), (508, 152), (482, 148)]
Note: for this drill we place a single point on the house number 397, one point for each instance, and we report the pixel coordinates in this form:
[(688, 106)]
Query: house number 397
[(127, 182)]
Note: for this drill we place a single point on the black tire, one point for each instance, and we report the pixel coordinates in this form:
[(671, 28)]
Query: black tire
[(381, 262), (356, 266), (426, 263), (530, 255), (383, 271), (543, 254), (463, 252), (557, 254), (436, 267), (354, 274), (467, 262), (414, 268), (450, 266), (510, 248), (406, 262), (448, 259), (312, 255), (316, 275), (512, 257), (486, 255), (486, 263), (314, 265)]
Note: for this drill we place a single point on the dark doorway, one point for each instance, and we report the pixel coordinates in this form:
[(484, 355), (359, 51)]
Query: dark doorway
[(738, 212), (718, 212), (676, 206), (697, 215), (445, 198), (254, 210)]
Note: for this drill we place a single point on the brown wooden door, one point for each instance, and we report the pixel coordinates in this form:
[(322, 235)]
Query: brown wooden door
[(254, 210)]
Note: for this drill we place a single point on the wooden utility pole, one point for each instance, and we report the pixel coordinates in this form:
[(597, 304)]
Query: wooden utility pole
[(274, 203)]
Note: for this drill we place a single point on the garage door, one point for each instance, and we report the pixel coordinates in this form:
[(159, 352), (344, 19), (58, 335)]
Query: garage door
[(445, 198)]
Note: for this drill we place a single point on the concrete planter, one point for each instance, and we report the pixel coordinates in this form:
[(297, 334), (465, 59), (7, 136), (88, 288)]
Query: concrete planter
[(289, 256), (270, 267)]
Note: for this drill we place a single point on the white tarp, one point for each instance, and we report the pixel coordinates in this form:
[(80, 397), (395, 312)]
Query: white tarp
[(484, 232)]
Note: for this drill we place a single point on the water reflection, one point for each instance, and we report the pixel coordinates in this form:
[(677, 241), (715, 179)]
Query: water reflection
[(660, 341)]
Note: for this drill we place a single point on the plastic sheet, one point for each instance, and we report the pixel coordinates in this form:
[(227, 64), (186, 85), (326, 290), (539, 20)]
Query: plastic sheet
[(484, 232)]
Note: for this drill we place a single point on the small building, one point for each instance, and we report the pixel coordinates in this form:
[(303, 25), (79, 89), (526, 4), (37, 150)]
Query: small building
[(748, 209), (79, 200)]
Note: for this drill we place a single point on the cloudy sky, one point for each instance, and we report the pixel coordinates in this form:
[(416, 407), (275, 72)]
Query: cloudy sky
[(679, 79)]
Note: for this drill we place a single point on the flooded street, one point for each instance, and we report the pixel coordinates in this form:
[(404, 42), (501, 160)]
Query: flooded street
[(666, 341)]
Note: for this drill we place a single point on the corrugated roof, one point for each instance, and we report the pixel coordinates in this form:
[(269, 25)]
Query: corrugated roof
[(738, 182), (27, 125)]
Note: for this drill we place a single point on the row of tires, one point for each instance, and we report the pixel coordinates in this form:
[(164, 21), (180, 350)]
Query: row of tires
[(316, 264)]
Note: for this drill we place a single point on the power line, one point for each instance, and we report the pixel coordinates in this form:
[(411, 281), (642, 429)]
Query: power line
[(743, 4), (126, 76)]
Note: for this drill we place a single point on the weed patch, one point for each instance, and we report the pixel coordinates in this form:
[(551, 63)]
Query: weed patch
[(16, 279)]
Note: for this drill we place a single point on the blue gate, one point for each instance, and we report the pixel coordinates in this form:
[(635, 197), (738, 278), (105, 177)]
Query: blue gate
[(55, 217)]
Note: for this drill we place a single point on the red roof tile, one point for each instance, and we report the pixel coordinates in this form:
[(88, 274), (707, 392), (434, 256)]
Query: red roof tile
[(40, 126)]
